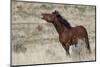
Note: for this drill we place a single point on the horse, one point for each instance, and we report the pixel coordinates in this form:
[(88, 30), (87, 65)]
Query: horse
[(68, 35)]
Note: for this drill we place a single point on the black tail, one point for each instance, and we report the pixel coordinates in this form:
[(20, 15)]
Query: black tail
[(87, 43)]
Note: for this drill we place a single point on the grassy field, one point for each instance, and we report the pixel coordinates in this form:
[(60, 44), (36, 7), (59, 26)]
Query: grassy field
[(34, 41)]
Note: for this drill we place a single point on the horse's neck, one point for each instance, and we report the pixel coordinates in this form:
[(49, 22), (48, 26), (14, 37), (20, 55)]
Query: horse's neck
[(59, 26)]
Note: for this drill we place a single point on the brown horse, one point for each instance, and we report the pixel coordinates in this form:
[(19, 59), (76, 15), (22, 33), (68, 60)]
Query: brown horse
[(68, 35)]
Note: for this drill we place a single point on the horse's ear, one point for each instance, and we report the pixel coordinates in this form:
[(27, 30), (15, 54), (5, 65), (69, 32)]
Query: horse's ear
[(55, 12)]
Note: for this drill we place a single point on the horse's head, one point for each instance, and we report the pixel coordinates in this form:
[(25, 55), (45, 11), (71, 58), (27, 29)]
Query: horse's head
[(50, 17)]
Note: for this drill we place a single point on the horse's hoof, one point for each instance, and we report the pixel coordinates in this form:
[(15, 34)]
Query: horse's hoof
[(67, 54)]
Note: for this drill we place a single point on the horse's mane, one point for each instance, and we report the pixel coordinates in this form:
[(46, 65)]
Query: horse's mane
[(63, 21)]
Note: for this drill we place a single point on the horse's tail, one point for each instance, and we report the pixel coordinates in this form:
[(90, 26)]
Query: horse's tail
[(87, 42)]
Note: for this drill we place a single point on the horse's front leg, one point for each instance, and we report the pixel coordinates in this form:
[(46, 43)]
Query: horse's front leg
[(66, 48)]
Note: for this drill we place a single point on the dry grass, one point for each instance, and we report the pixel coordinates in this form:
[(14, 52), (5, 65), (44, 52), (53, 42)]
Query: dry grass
[(34, 41)]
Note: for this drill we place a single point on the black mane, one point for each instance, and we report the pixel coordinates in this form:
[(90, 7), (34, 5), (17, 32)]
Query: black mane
[(63, 21)]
